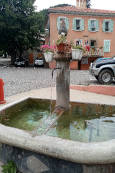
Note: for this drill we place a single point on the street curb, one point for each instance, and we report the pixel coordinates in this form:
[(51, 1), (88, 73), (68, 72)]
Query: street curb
[(98, 89)]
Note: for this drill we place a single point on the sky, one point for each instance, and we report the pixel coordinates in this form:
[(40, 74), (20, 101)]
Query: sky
[(97, 4)]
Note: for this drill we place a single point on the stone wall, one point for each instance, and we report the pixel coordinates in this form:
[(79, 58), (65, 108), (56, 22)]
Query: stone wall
[(31, 162)]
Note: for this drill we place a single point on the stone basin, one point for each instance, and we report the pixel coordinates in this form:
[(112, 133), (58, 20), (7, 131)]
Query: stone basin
[(33, 151)]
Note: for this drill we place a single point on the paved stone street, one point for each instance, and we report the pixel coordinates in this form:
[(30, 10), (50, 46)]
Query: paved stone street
[(18, 80)]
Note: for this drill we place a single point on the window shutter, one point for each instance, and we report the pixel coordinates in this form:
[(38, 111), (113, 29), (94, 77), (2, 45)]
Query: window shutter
[(82, 24), (111, 24), (103, 26), (107, 45), (97, 25), (74, 24), (89, 25), (67, 22), (58, 23), (81, 42)]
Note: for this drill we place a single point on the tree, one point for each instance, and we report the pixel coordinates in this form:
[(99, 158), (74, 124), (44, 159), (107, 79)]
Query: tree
[(60, 5), (20, 26), (44, 14)]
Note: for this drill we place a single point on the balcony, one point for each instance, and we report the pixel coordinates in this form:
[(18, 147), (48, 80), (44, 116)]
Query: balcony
[(94, 52)]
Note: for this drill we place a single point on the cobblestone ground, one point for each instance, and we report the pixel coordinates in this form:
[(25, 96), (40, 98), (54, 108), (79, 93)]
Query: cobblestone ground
[(19, 80)]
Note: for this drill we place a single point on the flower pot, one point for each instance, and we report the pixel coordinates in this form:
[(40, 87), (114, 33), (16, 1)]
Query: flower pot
[(48, 56), (61, 48), (77, 54)]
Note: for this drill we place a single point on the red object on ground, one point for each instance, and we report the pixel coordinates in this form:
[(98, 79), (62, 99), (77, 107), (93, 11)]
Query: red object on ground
[(2, 101), (98, 89)]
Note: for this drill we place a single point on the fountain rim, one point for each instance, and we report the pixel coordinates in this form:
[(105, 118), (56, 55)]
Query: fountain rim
[(78, 152)]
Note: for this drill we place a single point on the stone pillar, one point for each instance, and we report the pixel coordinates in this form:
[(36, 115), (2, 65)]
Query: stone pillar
[(63, 81)]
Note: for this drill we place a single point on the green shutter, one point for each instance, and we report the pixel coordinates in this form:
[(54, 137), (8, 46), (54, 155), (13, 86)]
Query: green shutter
[(107, 45), (67, 23), (58, 23), (81, 42), (89, 25), (103, 26), (74, 24), (82, 24), (111, 25), (97, 25)]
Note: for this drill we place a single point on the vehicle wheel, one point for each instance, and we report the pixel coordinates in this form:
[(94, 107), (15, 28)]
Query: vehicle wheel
[(96, 77), (105, 76)]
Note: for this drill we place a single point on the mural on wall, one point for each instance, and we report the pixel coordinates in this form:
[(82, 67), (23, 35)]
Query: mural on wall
[(62, 25)]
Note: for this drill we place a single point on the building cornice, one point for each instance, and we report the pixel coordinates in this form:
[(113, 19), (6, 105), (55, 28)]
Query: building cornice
[(81, 13)]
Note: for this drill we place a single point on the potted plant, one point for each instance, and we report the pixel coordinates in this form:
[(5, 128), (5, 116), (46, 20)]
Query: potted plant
[(61, 43), (77, 52), (48, 52)]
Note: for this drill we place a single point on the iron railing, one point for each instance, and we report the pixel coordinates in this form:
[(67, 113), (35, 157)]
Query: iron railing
[(94, 52)]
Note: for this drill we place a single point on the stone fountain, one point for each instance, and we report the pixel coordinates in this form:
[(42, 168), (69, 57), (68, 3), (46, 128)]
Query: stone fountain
[(63, 80), (37, 152), (63, 57)]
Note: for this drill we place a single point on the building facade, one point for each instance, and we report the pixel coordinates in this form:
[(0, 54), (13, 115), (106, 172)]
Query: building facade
[(88, 27)]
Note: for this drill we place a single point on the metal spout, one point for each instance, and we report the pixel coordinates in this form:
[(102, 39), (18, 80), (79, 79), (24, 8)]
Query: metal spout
[(57, 68)]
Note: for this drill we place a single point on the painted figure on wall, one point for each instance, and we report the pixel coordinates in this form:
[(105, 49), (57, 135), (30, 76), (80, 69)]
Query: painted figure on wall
[(63, 27)]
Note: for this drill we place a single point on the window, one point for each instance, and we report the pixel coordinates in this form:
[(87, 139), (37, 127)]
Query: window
[(78, 24), (93, 43), (78, 42), (106, 26), (93, 25)]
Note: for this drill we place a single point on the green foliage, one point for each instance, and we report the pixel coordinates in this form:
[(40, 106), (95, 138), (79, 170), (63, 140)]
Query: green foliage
[(10, 167), (60, 5), (44, 15), (1, 53), (20, 26), (61, 39), (77, 47)]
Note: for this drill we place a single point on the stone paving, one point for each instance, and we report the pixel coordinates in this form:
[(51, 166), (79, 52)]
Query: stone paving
[(18, 80)]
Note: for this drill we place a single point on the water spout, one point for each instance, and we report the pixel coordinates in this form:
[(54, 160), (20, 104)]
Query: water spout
[(54, 70)]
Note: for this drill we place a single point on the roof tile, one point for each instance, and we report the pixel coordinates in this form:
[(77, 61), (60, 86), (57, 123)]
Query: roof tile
[(75, 9)]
